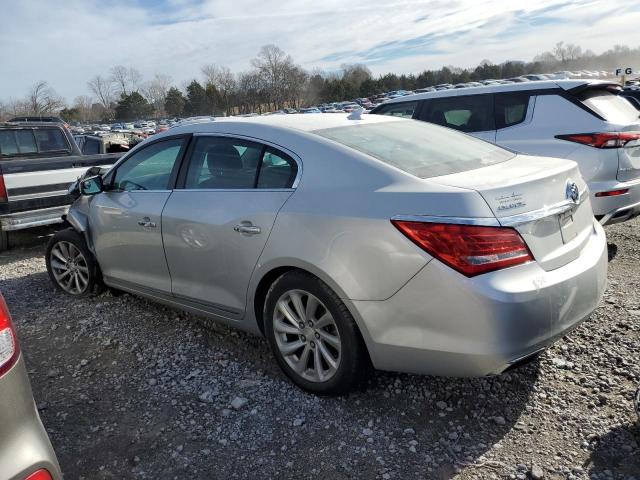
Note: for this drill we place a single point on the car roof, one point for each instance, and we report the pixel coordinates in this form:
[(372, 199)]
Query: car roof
[(509, 87), (293, 121), (30, 124)]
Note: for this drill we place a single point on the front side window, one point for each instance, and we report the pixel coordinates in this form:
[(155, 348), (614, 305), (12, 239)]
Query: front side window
[(149, 168), (511, 108), (418, 148), (401, 109), (472, 113)]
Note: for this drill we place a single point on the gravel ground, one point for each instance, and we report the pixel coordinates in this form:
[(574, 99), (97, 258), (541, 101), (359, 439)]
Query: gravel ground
[(130, 389)]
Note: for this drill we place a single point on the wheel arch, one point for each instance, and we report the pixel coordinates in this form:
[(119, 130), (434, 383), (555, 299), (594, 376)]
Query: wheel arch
[(269, 274)]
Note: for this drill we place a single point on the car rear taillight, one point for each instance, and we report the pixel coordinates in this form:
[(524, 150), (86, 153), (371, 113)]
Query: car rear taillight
[(602, 140), (469, 249), (41, 474), (612, 193), (3, 190), (8, 340)]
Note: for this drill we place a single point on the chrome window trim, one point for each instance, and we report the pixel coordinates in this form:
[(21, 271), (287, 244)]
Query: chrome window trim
[(479, 221), (510, 221), (293, 155), (212, 190)]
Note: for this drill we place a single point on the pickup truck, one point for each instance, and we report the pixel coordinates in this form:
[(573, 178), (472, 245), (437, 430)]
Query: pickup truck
[(38, 163)]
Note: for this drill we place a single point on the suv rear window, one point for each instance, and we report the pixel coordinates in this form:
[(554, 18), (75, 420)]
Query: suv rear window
[(609, 106), (467, 113), (418, 148)]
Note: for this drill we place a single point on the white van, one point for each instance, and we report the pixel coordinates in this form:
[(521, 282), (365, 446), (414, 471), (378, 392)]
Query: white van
[(581, 120)]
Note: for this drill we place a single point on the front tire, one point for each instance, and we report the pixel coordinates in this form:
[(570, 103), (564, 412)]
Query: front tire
[(71, 266), (313, 336)]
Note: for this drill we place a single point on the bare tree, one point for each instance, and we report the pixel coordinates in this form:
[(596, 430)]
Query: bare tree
[(125, 80), (224, 81), (155, 91), (83, 105), (43, 99), (102, 89), (272, 63)]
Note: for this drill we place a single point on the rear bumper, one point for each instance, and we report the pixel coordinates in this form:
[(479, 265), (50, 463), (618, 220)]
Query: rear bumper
[(617, 208), (32, 218), (443, 323), (24, 444)]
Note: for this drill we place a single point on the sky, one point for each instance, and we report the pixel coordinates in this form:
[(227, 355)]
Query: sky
[(67, 42)]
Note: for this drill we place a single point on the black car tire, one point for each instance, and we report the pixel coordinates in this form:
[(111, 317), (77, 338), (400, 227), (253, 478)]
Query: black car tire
[(354, 362), (74, 241)]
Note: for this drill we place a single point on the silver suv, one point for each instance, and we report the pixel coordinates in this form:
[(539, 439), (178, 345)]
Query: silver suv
[(581, 120)]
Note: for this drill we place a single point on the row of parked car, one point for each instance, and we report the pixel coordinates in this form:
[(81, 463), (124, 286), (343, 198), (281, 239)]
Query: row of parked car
[(408, 239)]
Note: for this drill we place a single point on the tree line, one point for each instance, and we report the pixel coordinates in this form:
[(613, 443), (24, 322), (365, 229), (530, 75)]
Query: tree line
[(275, 82)]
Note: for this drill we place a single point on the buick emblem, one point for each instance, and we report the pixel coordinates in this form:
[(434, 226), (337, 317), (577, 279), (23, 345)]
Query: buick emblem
[(573, 193)]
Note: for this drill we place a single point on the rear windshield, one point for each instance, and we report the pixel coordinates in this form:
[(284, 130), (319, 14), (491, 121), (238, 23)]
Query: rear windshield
[(32, 141), (421, 149), (609, 106)]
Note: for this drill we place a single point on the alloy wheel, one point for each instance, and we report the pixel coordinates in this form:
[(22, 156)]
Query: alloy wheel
[(307, 335), (69, 267)]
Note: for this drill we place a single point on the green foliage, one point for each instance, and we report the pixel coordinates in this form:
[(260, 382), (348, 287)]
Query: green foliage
[(133, 106), (70, 114), (174, 103)]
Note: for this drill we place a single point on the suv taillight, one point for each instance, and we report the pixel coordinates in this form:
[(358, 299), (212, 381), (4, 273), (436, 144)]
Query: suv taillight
[(469, 249), (3, 190), (602, 140), (8, 341)]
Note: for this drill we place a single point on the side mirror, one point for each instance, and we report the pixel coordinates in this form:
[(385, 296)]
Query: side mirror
[(91, 186)]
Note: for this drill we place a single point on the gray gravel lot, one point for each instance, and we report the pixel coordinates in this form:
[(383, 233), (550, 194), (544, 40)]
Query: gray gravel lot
[(130, 389)]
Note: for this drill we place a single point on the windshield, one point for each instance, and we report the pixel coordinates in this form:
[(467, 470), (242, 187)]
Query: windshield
[(419, 148), (609, 106)]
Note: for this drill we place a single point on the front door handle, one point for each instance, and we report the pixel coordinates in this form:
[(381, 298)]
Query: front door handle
[(247, 228), (146, 222)]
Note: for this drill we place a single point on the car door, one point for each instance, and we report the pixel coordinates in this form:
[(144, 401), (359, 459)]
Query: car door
[(217, 223), (472, 114), (126, 218)]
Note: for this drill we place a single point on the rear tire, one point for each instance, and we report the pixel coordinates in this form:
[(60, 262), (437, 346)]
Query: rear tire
[(313, 336), (71, 266)]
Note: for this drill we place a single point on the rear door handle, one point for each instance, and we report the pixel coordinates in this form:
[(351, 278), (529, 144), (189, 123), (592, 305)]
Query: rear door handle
[(146, 222), (247, 229)]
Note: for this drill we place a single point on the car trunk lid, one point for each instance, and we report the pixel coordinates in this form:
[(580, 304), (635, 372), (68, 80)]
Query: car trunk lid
[(544, 199)]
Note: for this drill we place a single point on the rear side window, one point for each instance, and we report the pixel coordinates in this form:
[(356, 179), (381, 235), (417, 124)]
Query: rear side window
[(277, 170), (418, 148), (609, 106), (223, 163), (511, 108), (472, 113), (401, 109)]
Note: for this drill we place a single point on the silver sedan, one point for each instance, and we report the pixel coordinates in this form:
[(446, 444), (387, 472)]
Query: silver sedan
[(348, 242)]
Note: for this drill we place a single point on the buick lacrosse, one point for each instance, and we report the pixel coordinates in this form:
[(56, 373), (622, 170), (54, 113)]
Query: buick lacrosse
[(347, 241)]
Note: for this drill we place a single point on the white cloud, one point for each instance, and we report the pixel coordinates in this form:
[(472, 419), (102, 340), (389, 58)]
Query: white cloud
[(68, 42)]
